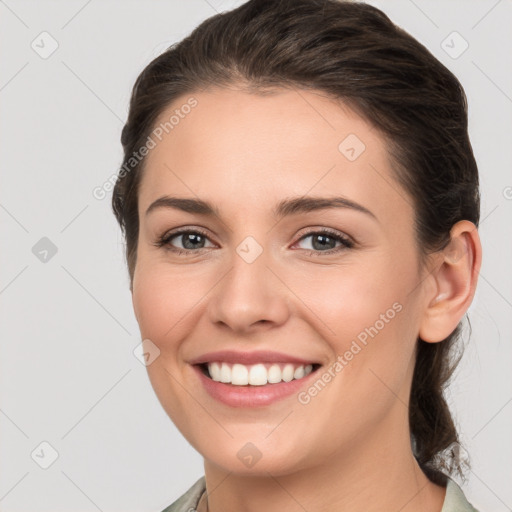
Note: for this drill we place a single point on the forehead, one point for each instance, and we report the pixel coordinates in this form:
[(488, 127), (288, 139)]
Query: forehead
[(235, 147)]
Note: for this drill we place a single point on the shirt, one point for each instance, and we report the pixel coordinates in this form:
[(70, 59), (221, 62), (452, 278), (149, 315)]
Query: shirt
[(454, 501)]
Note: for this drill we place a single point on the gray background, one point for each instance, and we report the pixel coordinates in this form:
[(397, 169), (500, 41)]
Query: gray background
[(68, 374)]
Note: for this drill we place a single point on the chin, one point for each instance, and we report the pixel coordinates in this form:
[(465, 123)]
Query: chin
[(254, 458)]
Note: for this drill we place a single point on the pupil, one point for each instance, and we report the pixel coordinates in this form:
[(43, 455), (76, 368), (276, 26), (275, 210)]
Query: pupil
[(190, 239), (323, 245)]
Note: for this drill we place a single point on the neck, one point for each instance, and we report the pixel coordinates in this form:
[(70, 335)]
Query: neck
[(379, 474)]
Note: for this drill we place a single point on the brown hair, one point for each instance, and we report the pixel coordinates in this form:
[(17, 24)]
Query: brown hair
[(352, 52)]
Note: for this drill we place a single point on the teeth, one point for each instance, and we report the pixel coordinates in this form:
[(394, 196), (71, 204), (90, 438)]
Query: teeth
[(215, 372), (274, 374), (258, 374), (239, 375), (298, 373), (288, 372), (225, 373)]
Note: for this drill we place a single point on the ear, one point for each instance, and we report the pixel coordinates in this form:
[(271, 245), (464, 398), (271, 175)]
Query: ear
[(454, 279)]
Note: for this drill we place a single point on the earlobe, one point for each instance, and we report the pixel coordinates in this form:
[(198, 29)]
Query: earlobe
[(455, 277)]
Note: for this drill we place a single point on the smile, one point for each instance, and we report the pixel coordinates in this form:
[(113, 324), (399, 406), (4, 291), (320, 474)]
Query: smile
[(252, 379), (255, 375)]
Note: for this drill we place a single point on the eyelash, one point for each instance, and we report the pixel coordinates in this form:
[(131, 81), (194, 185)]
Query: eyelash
[(164, 241)]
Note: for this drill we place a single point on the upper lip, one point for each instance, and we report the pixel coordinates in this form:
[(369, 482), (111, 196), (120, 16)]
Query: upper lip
[(260, 356)]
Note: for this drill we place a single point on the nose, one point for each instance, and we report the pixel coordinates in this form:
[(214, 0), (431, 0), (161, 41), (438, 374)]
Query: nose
[(250, 296)]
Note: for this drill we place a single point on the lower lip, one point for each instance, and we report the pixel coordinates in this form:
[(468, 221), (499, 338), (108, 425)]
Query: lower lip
[(250, 396)]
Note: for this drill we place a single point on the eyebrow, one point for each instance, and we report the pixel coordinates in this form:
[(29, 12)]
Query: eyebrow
[(287, 207)]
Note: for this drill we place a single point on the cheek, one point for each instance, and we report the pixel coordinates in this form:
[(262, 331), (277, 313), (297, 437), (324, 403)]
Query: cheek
[(367, 315), (164, 301), (346, 299), (369, 329)]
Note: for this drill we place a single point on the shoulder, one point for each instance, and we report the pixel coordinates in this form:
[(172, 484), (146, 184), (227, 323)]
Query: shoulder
[(455, 500), (188, 501)]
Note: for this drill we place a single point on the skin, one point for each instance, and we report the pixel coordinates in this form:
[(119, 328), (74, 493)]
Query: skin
[(349, 447)]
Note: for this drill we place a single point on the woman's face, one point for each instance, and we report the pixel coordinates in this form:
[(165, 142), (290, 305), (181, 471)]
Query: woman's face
[(261, 291)]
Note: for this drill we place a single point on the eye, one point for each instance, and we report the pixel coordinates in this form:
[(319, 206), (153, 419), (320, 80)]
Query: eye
[(191, 241), (324, 241)]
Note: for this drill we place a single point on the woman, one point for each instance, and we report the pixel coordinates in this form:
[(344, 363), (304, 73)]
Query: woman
[(300, 203)]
